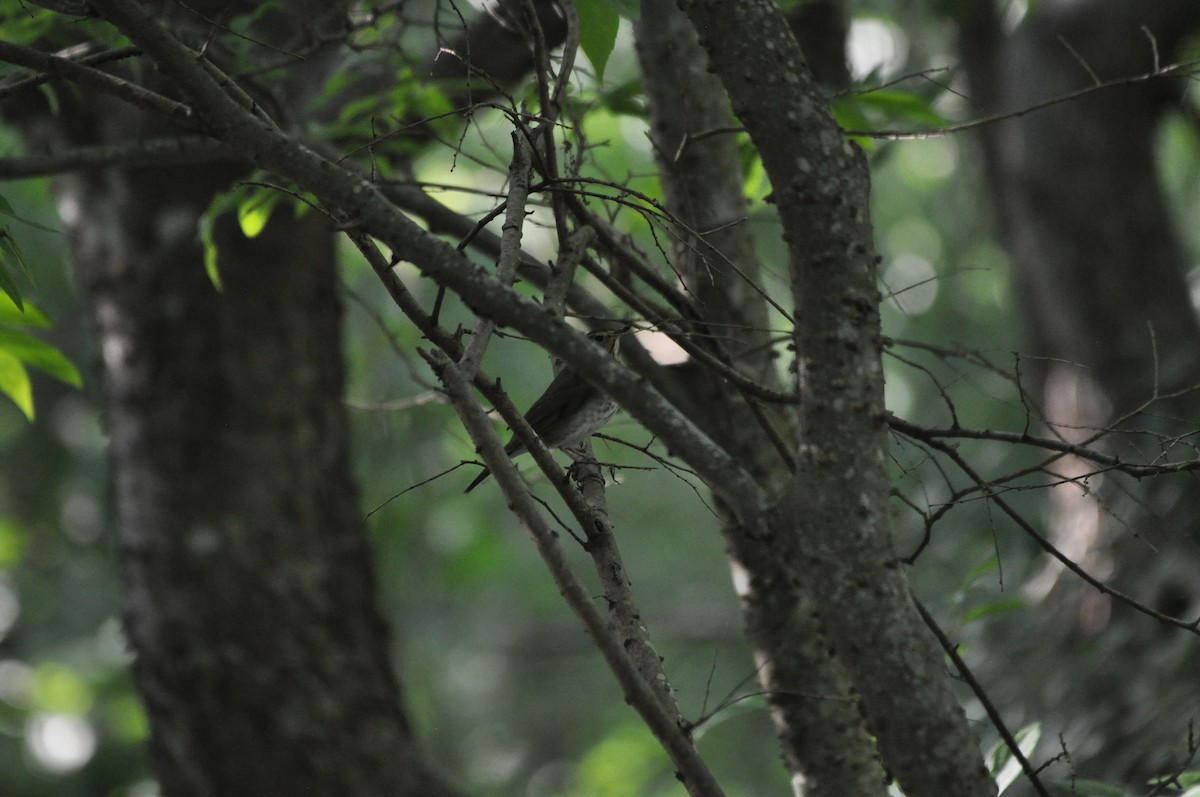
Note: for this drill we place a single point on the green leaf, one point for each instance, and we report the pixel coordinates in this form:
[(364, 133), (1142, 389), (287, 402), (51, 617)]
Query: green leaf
[(880, 109), (210, 254), (1189, 780), (23, 313), (221, 204), (14, 383), (998, 607), (897, 104), (127, 718), (598, 25), (7, 210), (57, 687), (11, 260), (39, 354), (1003, 765), (12, 543), (987, 566), (254, 211), (850, 116)]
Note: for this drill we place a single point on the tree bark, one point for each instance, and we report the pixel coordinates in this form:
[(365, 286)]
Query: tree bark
[(1099, 273), (249, 599), (825, 742), (832, 520)]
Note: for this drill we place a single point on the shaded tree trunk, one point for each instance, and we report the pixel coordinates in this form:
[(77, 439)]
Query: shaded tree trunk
[(249, 599), (1100, 277)]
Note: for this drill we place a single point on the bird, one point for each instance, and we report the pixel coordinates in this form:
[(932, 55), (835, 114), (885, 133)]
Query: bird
[(568, 412)]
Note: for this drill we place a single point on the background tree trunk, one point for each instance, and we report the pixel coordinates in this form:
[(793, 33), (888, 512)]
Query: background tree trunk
[(249, 595), (1100, 275)]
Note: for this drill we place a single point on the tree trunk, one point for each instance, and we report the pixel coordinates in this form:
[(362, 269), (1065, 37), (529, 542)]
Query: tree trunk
[(249, 596), (831, 524), (1100, 277)]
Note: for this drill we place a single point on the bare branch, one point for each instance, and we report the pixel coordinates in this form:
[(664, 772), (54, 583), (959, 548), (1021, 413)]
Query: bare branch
[(1171, 70), (149, 152), (690, 768), (132, 93)]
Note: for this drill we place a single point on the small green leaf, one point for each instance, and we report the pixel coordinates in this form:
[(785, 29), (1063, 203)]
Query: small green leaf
[(24, 313), (987, 566), (12, 543), (210, 258), (39, 354), (998, 607), (1189, 780), (598, 25), (254, 211), (208, 218), (127, 719), (8, 286), (880, 109), (14, 383), (1003, 765), (850, 116), (11, 260), (896, 104), (57, 687), (7, 210)]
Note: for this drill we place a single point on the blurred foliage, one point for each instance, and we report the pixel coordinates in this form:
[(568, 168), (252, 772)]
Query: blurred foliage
[(503, 684)]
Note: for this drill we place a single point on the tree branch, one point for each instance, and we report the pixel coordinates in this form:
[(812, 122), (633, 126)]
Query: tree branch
[(691, 769), (360, 203), (169, 151), (135, 95)]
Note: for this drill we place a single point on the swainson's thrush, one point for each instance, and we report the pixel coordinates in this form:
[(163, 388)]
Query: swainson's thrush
[(569, 412)]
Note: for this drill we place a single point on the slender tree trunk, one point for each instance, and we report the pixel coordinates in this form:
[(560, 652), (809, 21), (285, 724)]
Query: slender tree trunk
[(831, 524), (825, 742)]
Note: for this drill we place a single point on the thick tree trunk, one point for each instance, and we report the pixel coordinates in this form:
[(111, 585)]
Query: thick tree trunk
[(249, 596), (1100, 277)]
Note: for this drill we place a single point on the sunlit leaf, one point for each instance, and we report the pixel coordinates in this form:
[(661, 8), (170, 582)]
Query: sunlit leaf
[(24, 313), (14, 383), (39, 354), (598, 25), (620, 765), (1003, 765), (850, 116), (11, 260), (897, 105), (12, 543), (254, 211), (127, 719), (985, 567), (996, 607), (59, 688)]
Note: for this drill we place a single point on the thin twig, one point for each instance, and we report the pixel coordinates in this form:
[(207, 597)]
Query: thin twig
[(981, 694)]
